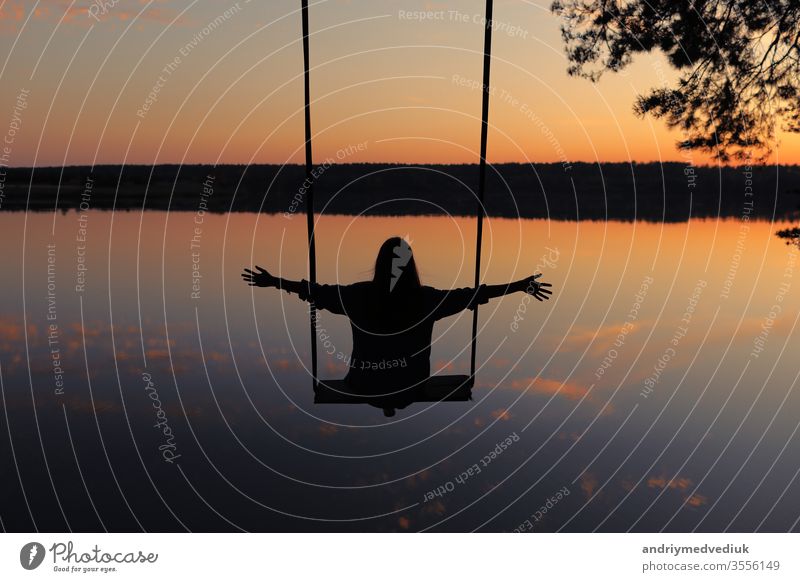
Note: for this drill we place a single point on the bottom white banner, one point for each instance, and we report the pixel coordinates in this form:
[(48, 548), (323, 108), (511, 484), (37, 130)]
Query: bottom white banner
[(355, 557)]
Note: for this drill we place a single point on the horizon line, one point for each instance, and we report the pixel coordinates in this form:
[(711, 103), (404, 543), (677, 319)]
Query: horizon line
[(412, 164)]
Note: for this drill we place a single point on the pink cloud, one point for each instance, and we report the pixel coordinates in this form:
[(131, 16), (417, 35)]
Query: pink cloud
[(570, 390)]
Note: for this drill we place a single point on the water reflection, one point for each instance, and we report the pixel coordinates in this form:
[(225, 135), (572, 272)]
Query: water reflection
[(654, 391)]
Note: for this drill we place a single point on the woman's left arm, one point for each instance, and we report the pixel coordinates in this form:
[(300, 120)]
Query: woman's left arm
[(263, 278), (453, 301)]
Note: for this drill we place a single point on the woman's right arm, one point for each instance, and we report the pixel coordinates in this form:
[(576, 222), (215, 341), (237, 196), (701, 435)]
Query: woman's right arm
[(329, 297)]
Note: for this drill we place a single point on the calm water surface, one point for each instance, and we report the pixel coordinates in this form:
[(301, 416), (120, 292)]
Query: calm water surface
[(154, 390)]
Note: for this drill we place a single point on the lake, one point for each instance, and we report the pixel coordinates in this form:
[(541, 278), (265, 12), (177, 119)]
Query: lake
[(145, 387)]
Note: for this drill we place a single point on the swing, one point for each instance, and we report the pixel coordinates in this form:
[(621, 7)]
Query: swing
[(438, 388)]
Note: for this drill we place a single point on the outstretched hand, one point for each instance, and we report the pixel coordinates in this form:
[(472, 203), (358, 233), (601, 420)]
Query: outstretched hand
[(538, 290), (260, 279)]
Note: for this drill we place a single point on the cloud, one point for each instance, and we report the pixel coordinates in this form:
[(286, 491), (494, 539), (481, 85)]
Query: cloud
[(682, 484), (328, 429), (501, 363), (661, 482), (12, 12), (91, 330), (443, 366), (94, 12), (333, 368), (87, 406), (601, 339), (501, 413), (423, 475), (588, 484), (284, 364), (215, 356), (435, 507), (752, 327), (10, 331), (696, 500), (157, 354), (570, 390)]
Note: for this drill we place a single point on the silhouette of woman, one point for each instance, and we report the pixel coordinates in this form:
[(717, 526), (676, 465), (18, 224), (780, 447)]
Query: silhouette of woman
[(392, 316)]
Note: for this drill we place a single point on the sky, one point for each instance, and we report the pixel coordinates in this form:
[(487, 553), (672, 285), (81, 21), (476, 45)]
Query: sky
[(196, 81)]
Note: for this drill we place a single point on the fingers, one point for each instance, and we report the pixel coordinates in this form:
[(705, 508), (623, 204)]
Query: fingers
[(540, 293), (260, 269), (249, 276), (540, 288), (536, 276)]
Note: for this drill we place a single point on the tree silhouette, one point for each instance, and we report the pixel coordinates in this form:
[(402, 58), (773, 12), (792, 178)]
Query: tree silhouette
[(739, 64), (791, 235)]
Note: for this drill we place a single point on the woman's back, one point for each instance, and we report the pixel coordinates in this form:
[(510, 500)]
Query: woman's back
[(391, 338)]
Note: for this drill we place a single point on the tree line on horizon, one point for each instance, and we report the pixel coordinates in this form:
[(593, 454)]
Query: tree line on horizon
[(653, 191)]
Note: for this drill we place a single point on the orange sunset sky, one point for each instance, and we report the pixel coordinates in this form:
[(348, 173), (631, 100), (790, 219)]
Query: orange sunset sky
[(196, 81)]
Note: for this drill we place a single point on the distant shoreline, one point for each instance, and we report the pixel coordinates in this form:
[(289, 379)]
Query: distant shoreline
[(669, 192), (778, 221)]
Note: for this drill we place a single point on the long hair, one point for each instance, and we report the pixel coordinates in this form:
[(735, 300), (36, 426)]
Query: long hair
[(395, 269)]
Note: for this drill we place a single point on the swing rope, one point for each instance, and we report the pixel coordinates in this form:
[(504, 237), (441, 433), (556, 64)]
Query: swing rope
[(487, 61), (312, 255), (312, 247)]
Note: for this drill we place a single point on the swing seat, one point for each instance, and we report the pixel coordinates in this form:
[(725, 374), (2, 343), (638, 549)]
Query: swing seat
[(446, 388)]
